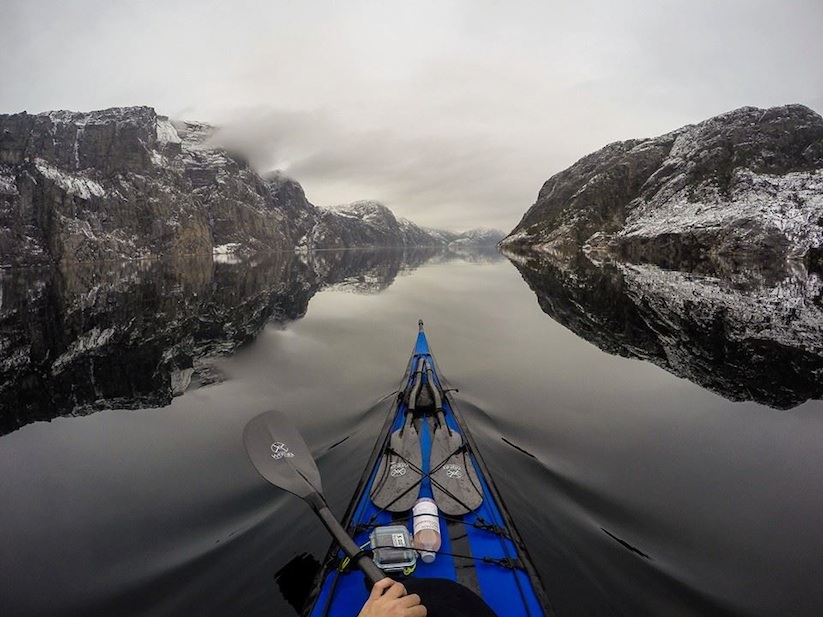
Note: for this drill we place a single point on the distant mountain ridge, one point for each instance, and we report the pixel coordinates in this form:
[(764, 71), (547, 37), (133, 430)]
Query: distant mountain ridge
[(747, 183), (127, 183)]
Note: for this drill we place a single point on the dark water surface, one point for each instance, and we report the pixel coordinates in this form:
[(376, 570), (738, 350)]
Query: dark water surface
[(649, 431)]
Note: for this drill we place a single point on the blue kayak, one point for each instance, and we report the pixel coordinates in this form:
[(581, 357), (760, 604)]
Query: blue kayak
[(425, 454)]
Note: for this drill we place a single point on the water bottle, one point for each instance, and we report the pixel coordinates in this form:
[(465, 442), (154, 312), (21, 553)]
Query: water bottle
[(426, 528)]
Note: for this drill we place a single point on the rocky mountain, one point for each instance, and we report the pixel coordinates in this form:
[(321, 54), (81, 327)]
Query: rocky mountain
[(477, 237), (748, 334), (745, 183), (364, 223), (126, 183)]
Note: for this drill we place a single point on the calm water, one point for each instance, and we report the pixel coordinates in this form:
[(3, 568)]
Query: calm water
[(637, 490)]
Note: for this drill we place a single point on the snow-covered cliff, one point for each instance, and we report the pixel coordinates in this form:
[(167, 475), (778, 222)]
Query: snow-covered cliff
[(745, 183), (124, 183)]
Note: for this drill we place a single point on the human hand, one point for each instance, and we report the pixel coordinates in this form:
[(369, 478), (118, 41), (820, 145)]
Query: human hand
[(388, 599)]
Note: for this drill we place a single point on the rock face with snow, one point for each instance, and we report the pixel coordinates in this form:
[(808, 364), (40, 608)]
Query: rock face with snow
[(364, 223), (746, 183), (368, 223), (480, 236), (746, 334), (126, 183)]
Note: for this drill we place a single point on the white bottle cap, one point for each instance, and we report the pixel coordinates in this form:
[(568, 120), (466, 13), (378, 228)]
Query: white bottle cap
[(427, 556)]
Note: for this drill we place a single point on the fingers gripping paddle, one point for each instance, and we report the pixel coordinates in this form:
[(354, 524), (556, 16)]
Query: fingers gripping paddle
[(455, 484), (280, 455), (399, 471)]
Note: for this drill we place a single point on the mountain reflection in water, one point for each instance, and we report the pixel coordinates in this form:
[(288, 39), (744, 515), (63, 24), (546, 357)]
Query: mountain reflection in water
[(636, 492), (745, 332), (132, 335)]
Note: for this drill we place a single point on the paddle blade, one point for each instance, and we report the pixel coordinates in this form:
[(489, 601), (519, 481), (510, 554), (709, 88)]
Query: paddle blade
[(280, 455), (455, 485), (397, 483)]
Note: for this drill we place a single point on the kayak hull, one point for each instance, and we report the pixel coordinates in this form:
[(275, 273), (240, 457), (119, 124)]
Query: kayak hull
[(480, 548)]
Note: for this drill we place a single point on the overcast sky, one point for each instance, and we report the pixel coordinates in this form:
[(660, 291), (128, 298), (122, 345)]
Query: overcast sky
[(453, 113)]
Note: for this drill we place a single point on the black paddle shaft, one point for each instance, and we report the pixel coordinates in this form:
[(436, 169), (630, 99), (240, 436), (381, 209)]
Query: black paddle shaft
[(360, 558), (279, 454)]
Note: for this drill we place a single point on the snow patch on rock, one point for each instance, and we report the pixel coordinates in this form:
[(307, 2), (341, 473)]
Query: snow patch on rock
[(166, 133), (73, 183), (225, 253), (8, 184), (225, 249), (790, 204)]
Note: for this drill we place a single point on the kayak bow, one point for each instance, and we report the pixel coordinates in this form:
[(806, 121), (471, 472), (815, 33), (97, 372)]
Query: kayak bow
[(425, 451)]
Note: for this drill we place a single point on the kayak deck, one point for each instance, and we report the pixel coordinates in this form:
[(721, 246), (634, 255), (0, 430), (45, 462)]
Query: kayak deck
[(480, 548)]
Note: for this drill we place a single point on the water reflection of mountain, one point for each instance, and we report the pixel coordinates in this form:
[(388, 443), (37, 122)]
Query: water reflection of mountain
[(131, 335), (365, 271), (745, 333), (472, 254)]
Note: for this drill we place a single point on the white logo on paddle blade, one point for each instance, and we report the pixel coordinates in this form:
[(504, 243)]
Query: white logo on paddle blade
[(280, 450), (397, 470), (453, 471)]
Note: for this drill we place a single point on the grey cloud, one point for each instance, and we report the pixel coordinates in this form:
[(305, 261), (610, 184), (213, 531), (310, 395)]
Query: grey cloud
[(433, 180), (452, 112)]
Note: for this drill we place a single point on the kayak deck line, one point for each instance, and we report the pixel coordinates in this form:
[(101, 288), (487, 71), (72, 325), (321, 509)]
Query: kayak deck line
[(480, 547)]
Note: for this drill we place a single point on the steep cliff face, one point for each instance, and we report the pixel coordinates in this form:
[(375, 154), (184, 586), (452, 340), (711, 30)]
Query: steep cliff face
[(241, 208), (748, 182), (126, 183)]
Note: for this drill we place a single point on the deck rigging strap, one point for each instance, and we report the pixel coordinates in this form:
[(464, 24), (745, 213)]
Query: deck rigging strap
[(455, 485), (391, 506)]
